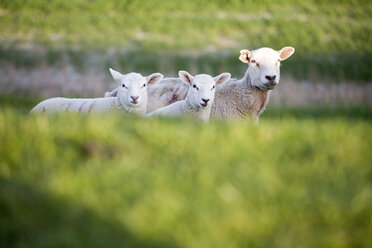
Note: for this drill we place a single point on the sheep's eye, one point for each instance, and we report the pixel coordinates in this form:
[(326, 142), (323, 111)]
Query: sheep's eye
[(195, 87), (214, 86), (123, 85), (144, 85)]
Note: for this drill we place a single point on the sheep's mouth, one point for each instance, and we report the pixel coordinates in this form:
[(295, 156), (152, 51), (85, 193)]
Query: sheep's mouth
[(134, 104), (261, 88), (268, 86), (204, 105)]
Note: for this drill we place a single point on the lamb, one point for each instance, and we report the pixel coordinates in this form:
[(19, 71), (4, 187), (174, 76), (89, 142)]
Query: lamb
[(199, 98), (238, 98), (167, 91), (131, 97)]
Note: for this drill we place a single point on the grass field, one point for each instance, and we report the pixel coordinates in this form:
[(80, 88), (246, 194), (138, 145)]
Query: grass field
[(332, 38), (299, 179)]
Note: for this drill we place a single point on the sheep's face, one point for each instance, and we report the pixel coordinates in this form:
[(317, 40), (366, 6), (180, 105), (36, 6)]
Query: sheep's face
[(202, 87), (132, 91), (264, 65)]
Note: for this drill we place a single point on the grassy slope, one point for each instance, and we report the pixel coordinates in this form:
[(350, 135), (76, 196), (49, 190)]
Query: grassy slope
[(75, 181), (332, 38)]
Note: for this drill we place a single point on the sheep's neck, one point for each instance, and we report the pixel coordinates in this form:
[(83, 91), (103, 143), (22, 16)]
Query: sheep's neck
[(258, 98), (239, 99)]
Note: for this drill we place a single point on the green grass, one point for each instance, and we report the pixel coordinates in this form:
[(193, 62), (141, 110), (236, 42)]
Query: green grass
[(318, 113), (332, 38), (119, 180)]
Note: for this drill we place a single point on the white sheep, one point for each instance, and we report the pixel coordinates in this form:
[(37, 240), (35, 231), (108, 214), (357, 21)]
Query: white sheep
[(248, 97), (199, 98), (131, 97), (238, 98)]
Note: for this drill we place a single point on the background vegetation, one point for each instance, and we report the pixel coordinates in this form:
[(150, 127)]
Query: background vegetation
[(332, 38)]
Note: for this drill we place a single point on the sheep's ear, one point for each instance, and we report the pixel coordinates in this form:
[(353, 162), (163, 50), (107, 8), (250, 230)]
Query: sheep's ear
[(154, 78), (244, 56), (222, 78), (286, 52), (185, 76), (115, 74)]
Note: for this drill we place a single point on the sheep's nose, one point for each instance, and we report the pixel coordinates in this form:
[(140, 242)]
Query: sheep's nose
[(134, 99), (270, 78), (205, 102)]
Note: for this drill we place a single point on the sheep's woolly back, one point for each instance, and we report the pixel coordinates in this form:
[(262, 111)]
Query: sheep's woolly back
[(182, 108), (80, 105), (168, 91)]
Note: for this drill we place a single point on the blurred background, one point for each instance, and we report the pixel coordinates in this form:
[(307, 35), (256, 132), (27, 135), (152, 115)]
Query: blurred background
[(301, 178), (55, 48)]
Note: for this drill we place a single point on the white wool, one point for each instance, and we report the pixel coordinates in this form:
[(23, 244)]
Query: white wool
[(131, 96), (242, 98), (199, 99)]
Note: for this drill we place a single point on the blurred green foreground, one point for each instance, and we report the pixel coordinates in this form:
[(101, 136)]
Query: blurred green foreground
[(123, 181)]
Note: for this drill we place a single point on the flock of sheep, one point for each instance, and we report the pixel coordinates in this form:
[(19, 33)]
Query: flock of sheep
[(201, 96)]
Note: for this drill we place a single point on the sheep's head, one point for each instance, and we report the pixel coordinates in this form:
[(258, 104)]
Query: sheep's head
[(132, 90), (202, 87), (264, 65)]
